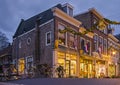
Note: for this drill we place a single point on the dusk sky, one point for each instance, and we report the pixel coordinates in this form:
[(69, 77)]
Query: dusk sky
[(12, 11)]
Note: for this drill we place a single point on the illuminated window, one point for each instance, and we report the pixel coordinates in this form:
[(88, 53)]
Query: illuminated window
[(61, 36), (73, 67), (21, 66)]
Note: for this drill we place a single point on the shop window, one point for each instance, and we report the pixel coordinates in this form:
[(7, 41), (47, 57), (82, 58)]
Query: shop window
[(61, 62), (48, 38), (61, 36), (29, 63), (73, 68)]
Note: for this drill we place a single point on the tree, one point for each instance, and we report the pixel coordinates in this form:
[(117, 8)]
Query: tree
[(3, 41)]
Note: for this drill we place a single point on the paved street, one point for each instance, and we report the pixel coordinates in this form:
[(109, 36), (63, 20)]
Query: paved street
[(66, 81)]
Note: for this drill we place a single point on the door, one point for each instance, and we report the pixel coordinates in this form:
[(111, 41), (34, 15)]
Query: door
[(67, 68)]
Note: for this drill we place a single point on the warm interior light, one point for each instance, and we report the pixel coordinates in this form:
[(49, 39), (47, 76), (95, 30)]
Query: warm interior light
[(113, 52)]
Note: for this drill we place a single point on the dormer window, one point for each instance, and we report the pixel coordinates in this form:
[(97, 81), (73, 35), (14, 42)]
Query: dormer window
[(67, 8)]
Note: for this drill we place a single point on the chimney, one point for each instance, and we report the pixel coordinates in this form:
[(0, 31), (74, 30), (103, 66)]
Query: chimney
[(67, 8)]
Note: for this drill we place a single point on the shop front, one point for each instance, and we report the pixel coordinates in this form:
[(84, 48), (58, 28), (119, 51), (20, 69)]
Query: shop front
[(69, 63), (86, 68), (100, 69), (111, 70), (21, 66)]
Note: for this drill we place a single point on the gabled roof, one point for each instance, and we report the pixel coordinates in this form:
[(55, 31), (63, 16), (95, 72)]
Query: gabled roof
[(85, 17), (29, 24)]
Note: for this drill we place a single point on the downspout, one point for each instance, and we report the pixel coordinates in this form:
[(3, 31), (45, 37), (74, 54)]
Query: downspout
[(37, 42)]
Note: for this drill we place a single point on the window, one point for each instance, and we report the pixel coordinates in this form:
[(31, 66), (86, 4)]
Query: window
[(48, 38), (28, 40), (70, 11), (101, 43), (95, 42), (71, 42), (82, 43), (105, 30), (29, 63), (19, 44), (61, 36), (85, 46), (105, 46)]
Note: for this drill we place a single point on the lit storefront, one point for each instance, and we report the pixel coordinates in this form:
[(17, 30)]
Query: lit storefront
[(111, 70), (86, 68), (21, 66), (68, 61), (100, 69)]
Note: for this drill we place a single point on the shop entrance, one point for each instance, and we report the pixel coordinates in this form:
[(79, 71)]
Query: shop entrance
[(70, 68), (68, 62), (86, 69), (67, 68), (21, 66)]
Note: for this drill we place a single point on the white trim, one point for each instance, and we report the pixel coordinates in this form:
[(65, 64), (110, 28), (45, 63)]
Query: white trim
[(26, 32), (68, 5), (59, 13), (33, 29), (46, 22), (46, 38)]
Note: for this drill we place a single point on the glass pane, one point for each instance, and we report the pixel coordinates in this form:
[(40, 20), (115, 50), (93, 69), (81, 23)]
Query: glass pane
[(73, 68)]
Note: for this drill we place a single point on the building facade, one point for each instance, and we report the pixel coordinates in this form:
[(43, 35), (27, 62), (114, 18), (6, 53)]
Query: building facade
[(5, 58), (39, 40)]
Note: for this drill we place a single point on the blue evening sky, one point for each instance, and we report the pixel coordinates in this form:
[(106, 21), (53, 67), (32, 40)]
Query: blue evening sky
[(12, 11)]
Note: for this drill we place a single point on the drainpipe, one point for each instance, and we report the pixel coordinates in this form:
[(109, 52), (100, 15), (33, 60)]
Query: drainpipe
[(37, 42)]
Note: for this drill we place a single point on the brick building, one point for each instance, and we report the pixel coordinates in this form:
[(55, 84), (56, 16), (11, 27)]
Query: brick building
[(38, 40), (5, 58)]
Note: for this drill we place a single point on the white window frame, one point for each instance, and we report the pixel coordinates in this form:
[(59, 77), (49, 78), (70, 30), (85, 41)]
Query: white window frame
[(26, 61), (20, 44), (46, 38)]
